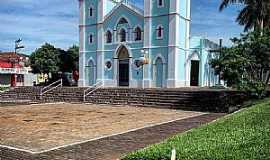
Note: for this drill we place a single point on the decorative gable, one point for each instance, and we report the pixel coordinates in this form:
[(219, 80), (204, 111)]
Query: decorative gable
[(127, 5)]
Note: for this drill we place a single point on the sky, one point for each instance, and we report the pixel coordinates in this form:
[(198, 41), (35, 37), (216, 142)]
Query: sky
[(56, 22)]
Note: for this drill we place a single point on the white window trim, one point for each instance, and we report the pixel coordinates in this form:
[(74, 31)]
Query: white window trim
[(89, 60), (108, 60), (93, 38), (162, 32), (91, 6), (134, 66), (160, 6), (118, 36), (134, 34), (128, 20), (112, 41)]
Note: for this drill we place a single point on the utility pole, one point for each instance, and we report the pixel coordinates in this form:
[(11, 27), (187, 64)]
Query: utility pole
[(17, 45), (220, 48), (13, 59), (219, 52)]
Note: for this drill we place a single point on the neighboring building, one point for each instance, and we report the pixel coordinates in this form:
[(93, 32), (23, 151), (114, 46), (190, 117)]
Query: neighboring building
[(13, 71), (200, 54), (116, 37)]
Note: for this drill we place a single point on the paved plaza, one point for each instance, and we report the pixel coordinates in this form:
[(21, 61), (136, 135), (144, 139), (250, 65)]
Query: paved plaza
[(38, 128)]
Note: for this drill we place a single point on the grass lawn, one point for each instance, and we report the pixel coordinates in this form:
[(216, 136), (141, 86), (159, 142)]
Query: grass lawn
[(243, 135)]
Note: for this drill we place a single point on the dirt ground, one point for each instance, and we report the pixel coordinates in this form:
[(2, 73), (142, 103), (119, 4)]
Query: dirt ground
[(42, 127)]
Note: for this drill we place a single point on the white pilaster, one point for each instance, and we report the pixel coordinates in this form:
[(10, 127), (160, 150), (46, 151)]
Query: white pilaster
[(115, 70), (147, 23), (100, 53), (187, 44), (102, 5), (100, 39), (146, 81), (81, 81), (172, 57), (174, 34)]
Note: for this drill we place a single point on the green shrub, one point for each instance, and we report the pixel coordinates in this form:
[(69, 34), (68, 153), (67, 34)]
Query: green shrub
[(255, 89)]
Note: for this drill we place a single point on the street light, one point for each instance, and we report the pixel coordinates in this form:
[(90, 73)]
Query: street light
[(143, 61)]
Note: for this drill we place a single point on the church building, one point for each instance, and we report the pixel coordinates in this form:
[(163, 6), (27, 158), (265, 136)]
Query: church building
[(148, 46)]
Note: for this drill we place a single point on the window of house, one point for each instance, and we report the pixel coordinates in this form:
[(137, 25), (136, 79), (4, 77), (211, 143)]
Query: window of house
[(138, 34), (122, 35), (91, 38), (160, 3), (109, 37), (160, 31), (20, 78)]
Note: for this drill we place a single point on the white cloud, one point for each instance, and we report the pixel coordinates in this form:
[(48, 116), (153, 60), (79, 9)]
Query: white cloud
[(56, 22), (37, 22)]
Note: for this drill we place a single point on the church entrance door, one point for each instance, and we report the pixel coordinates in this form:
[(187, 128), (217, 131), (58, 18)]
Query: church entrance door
[(194, 73), (123, 67), (158, 73), (91, 70)]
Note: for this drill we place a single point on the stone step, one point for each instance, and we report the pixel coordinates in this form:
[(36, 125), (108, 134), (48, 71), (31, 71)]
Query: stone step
[(188, 99)]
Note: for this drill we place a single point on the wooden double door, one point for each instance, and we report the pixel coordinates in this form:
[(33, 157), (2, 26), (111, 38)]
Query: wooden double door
[(123, 78)]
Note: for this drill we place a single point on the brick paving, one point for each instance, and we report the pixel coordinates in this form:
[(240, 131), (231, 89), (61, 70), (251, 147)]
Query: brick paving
[(41, 127), (113, 147)]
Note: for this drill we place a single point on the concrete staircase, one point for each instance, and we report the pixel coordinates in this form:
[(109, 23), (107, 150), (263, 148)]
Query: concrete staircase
[(64, 94), (197, 99), (184, 98), (20, 95)]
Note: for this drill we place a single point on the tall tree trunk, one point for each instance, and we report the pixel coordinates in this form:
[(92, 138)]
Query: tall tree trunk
[(261, 74), (261, 26), (267, 79)]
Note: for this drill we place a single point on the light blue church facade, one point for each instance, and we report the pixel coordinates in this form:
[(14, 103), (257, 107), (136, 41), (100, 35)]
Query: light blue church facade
[(124, 45)]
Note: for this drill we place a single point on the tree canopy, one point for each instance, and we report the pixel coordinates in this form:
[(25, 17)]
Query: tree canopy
[(255, 14), (48, 59), (45, 59), (247, 62), (71, 59)]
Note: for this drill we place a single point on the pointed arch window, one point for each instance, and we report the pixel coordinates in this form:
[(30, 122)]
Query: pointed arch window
[(91, 38), (160, 3), (90, 12), (122, 35), (122, 21), (108, 37), (138, 34), (160, 32)]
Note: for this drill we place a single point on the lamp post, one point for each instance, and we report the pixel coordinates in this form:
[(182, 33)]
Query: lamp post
[(218, 51), (13, 59), (143, 61)]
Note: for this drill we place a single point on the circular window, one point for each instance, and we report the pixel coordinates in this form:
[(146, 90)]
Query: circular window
[(137, 64), (108, 64)]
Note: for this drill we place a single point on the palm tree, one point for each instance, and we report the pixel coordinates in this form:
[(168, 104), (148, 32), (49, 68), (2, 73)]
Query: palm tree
[(254, 15)]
